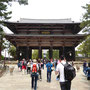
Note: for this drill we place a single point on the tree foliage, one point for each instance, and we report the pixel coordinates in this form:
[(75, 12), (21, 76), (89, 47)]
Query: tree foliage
[(35, 54), (12, 51), (86, 19), (84, 48), (5, 15), (56, 54)]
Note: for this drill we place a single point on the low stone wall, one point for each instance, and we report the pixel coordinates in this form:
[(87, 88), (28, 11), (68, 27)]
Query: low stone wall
[(82, 59), (11, 62), (2, 70)]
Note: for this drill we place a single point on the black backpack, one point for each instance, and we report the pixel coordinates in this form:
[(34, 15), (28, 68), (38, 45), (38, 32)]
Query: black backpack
[(69, 72), (39, 66)]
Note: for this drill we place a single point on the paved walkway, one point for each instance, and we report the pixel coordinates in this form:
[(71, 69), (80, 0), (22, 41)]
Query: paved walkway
[(17, 81)]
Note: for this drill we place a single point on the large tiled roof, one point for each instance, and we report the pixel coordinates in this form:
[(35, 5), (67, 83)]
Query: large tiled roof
[(24, 20)]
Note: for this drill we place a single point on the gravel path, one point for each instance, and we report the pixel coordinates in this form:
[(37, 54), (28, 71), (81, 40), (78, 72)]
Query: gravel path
[(17, 81)]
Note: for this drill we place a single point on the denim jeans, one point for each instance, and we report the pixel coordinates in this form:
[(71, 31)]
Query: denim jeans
[(48, 76), (84, 70), (65, 85), (34, 80)]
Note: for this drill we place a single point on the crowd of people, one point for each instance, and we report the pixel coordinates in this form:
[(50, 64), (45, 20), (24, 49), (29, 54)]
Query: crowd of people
[(34, 68)]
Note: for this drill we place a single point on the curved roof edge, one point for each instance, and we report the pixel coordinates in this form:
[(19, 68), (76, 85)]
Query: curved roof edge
[(47, 21)]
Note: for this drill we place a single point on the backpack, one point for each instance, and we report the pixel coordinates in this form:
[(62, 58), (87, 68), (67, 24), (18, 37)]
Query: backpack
[(24, 63), (69, 72), (34, 68), (39, 65), (49, 67)]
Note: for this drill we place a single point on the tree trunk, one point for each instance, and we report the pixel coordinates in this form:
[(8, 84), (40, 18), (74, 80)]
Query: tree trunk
[(0, 52)]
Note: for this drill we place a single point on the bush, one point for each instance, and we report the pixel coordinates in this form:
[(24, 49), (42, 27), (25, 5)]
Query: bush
[(2, 57)]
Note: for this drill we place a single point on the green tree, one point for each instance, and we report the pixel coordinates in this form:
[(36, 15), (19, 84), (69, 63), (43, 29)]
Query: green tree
[(2, 42), (35, 54), (84, 48), (12, 51), (5, 15), (86, 19), (47, 55), (56, 54)]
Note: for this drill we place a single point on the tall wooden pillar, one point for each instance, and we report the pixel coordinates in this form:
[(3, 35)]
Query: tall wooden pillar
[(73, 53), (40, 53), (17, 53), (27, 53), (70, 53), (30, 53), (64, 50), (61, 51), (50, 52)]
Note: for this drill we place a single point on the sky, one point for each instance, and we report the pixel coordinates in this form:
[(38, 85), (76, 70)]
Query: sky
[(48, 9)]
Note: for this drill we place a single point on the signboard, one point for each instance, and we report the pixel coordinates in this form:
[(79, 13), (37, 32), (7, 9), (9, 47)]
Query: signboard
[(45, 32)]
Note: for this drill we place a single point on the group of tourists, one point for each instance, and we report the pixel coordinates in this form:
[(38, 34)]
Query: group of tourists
[(34, 68)]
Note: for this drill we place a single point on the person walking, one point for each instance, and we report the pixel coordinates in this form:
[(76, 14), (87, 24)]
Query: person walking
[(88, 71), (28, 67), (84, 67), (49, 70), (34, 75), (39, 70), (23, 66), (65, 85)]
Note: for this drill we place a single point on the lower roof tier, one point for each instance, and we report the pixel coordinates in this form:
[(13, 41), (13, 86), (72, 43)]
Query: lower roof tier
[(45, 40)]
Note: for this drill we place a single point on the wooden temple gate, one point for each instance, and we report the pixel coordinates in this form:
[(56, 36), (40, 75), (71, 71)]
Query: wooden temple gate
[(45, 34)]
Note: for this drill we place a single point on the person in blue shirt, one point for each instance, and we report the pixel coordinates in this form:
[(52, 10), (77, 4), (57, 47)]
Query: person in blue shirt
[(85, 67), (49, 70), (88, 72)]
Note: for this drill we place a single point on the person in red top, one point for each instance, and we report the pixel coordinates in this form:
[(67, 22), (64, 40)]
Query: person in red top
[(34, 75), (23, 66)]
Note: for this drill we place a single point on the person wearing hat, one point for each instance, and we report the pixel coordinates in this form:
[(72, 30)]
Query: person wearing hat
[(34, 75)]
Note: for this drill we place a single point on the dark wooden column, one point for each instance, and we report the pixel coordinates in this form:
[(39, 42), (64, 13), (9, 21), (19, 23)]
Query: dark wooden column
[(27, 53), (50, 52), (70, 53), (40, 52), (30, 53), (61, 51), (64, 50), (17, 53), (73, 53)]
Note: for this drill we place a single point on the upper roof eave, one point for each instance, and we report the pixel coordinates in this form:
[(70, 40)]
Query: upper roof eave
[(42, 22)]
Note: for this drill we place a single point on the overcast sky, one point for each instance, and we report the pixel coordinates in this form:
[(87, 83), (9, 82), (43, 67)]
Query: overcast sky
[(49, 9)]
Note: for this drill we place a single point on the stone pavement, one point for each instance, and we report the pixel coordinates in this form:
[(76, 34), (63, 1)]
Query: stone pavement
[(17, 81)]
